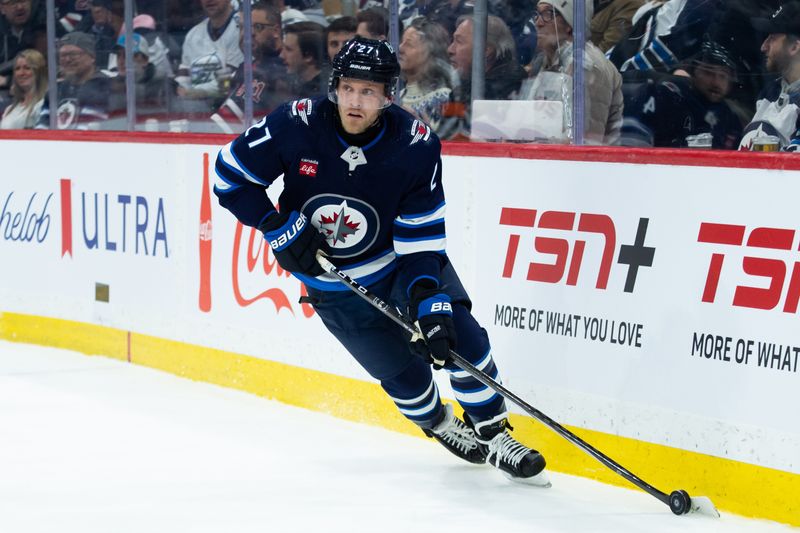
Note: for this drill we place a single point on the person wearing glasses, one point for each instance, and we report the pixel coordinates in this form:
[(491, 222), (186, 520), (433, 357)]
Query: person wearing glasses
[(83, 92), (552, 73), (270, 83)]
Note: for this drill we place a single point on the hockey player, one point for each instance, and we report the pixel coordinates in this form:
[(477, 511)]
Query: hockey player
[(363, 184)]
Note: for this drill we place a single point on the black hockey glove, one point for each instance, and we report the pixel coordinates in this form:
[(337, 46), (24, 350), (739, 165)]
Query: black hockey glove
[(434, 314), (295, 242)]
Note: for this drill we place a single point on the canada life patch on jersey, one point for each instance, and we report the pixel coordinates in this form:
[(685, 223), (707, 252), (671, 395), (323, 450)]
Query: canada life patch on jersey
[(302, 109), (420, 131), (349, 225), (308, 167)]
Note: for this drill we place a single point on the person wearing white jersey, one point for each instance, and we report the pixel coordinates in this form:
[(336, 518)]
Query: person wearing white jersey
[(211, 48)]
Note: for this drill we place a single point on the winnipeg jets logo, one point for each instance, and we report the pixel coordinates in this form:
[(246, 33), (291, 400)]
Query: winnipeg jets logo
[(339, 226), (302, 109), (420, 131), (67, 113), (350, 225), (354, 156)]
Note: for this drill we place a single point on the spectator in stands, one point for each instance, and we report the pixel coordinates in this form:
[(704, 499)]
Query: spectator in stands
[(502, 78), (339, 32), (289, 15), (149, 82), (373, 23), (517, 16), (425, 70), (612, 21), (22, 26), (670, 112), (210, 52), (28, 89), (733, 29), (778, 107), (664, 34), (83, 91), (105, 28), (503, 73), (270, 86), (444, 12), (303, 53), (552, 73), (157, 42)]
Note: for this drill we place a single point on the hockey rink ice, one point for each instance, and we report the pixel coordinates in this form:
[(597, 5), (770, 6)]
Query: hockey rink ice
[(91, 444)]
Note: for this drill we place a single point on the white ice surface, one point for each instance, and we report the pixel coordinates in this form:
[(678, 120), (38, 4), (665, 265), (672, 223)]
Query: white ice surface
[(90, 444)]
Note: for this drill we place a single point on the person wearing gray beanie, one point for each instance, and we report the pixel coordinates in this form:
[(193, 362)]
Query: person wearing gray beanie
[(552, 71)]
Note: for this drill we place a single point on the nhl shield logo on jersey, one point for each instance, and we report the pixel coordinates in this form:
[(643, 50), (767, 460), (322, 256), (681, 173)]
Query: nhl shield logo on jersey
[(302, 109), (350, 225), (420, 131)]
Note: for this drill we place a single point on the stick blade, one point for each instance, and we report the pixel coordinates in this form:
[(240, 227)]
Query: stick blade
[(703, 505)]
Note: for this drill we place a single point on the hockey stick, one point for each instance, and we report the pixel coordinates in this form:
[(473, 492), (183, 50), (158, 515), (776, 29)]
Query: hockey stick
[(678, 501)]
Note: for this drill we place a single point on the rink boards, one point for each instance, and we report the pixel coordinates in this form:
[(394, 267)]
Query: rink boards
[(650, 304)]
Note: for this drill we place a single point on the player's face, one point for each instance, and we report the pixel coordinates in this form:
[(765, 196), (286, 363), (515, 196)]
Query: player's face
[(712, 81), (413, 53), (779, 49), (23, 74), (360, 103), (291, 55), (336, 40), (460, 50)]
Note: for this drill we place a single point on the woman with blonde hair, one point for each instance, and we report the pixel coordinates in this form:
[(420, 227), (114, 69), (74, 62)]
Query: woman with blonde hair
[(28, 89)]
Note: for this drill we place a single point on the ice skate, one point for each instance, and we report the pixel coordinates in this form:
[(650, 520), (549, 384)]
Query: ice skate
[(457, 437), (516, 461)]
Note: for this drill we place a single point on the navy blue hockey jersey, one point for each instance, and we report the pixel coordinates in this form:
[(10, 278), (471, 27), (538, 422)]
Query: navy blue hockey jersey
[(380, 206), (665, 113)]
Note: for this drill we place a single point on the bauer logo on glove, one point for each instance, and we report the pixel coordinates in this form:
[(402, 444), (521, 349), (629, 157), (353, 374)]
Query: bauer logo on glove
[(295, 243), (284, 238)]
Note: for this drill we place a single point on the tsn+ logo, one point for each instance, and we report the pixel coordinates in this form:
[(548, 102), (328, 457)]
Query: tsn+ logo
[(569, 253)]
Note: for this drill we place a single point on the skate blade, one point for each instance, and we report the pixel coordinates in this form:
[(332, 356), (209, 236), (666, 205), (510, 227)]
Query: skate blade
[(703, 505), (541, 480)]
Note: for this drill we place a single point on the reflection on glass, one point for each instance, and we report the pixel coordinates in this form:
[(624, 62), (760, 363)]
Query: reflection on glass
[(656, 73)]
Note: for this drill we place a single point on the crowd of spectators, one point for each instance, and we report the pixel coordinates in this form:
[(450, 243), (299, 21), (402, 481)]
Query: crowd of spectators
[(672, 73)]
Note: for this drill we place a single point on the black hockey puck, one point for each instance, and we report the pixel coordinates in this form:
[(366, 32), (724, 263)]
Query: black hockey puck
[(680, 502)]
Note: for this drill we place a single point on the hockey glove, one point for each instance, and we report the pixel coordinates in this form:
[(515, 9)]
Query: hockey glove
[(295, 242), (434, 314)]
